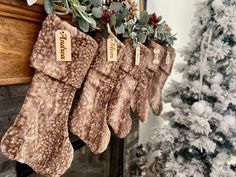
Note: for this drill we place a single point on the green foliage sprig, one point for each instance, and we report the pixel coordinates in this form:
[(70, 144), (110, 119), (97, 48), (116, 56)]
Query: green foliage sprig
[(121, 16)]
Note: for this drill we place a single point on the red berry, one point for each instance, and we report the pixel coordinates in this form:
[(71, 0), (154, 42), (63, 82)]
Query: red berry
[(154, 15), (154, 26), (150, 21), (106, 16)]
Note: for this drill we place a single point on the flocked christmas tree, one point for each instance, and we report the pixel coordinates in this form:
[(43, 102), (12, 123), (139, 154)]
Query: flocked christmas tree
[(199, 136)]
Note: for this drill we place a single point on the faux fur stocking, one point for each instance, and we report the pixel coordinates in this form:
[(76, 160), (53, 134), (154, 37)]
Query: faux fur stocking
[(39, 135), (160, 76), (89, 118), (139, 102), (119, 104), (126, 90)]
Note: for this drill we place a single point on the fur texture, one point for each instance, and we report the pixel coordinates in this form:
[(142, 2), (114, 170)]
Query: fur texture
[(89, 118), (160, 77), (139, 101), (119, 104), (130, 91), (39, 135)]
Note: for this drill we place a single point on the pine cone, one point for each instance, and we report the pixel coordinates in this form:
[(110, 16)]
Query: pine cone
[(133, 9), (109, 2), (167, 28)]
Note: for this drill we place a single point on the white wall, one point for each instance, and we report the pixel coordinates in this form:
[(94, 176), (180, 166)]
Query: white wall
[(179, 15)]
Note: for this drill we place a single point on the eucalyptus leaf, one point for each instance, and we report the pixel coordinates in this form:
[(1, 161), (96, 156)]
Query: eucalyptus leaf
[(83, 25), (155, 34), (94, 24), (81, 8), (116, 6), (48, 6), (89, 19), (97, 12), (142, 38), (125, 13), (143, 17), (168, 40), (96, 2), (120, 29), (144, 29), (127, 4), (161, 37), (113, 20), (31, 2), (131, 22), (118, 19), (133, 34)]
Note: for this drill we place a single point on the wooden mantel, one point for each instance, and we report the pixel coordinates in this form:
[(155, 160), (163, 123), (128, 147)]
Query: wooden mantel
[(19, 27)]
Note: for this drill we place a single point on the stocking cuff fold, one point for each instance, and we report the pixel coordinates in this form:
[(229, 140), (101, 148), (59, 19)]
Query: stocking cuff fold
[(168, 62), (137, 71), (101, 63), (158, 53), (43, 57), (128, 62)]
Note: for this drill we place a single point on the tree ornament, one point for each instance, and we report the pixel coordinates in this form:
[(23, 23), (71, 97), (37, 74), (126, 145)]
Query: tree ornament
[(203, 102), (190, 150), (180, 159), (208, 110), (220, 139), (231, 120), (176, 102), (195, 84), (198, 108), (217, 4), (215, 87), (205, 88), (217, 79)]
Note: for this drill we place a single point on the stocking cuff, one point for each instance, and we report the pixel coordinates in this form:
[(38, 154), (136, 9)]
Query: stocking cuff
[(128, 62), (168, 61), (43, 57), (101, 63), (158, 53)]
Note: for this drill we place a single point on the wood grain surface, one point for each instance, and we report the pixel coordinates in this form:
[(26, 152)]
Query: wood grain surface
[(19, 27)]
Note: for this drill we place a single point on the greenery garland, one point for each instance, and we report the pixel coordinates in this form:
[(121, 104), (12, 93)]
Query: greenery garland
[(119, 15)]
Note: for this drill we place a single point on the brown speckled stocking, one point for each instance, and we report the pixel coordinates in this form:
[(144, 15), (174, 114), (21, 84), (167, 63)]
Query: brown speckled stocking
[(119, 104), (160, 76), (139, 102), (39, 135), (126, 90), (89, 118)]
